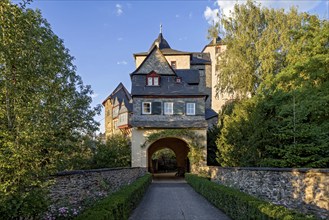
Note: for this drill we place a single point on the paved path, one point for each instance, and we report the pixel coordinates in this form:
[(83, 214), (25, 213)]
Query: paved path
[(171, 199)]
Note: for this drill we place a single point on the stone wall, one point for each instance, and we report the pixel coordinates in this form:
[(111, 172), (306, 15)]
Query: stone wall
[(76, 188), (306, 190)]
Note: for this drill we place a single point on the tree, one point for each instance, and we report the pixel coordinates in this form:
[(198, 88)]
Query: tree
[(284, 123), (45, 108), (260, 43)]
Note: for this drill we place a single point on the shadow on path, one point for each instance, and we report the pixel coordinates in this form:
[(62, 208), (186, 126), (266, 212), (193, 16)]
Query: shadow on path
[(171, 198)]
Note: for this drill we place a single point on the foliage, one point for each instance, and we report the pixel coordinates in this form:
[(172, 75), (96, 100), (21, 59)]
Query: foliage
[(193, 139), (260, 43), (116, 152), (44, 112), (212, 150), (164, 153), (284, 123), (119, 205), (239, 205)]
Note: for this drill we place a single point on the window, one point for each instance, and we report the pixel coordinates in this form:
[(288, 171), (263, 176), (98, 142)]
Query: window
[(152, 79), (168, 108), (173, 64), (178, 80), (190, 108), (156, 81), (146, 108)]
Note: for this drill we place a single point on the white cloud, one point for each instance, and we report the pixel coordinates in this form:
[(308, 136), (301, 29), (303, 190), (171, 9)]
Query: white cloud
[(123, 62), (120, 39), (190, 15), (224, 7), (177, 16), (119, 10), (211, 15)]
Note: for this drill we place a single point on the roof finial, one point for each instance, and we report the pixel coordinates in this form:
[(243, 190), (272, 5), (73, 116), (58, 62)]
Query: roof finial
[(160, 28)]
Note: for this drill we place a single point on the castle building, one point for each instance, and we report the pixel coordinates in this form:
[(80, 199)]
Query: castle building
[(171, 105)]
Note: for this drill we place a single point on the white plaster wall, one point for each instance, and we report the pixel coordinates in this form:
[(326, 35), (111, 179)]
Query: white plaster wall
[(139, 154), (139, 60), (216, 102), (182, 61)]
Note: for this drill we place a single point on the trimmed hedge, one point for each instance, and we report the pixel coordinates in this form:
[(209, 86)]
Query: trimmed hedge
[(239, 205), (120, 204)]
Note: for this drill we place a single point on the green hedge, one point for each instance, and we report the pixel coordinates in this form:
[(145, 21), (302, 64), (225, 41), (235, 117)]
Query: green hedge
[(120, 204), (239, 205)]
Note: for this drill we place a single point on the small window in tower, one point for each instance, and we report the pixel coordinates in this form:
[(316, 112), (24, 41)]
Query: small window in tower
[(218, 50), (173, 64)]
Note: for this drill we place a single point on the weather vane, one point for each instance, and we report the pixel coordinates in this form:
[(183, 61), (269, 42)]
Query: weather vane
[(160, 28)]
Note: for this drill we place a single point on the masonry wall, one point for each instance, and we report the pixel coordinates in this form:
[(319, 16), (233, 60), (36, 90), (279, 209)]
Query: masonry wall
[(306, 190), (74, 188)]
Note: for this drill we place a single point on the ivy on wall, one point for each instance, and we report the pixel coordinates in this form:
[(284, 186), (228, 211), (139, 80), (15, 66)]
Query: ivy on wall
[(193, 140)]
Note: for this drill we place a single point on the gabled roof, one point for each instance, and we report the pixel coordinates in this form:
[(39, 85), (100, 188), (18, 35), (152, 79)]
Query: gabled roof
[(119, 92), (155, 61)]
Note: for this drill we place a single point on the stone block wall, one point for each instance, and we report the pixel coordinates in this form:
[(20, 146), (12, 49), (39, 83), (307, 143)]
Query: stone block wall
[(306, 190), (76, 188)]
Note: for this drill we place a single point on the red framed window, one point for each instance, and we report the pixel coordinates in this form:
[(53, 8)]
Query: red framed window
[(153, 79)]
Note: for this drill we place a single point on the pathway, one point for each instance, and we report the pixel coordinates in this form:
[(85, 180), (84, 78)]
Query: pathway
[(170, 199)]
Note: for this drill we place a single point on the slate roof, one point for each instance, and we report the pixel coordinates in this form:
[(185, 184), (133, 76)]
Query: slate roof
[(189, 76), (160, 42), (121, 94), (200, 58), (165, 48), (170, 124), (155, 61), (210, 113)]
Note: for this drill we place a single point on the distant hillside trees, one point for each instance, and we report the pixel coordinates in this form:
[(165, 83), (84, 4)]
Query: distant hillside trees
[(44, 113), (277, 64)]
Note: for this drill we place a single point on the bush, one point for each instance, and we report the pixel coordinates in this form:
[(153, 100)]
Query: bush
[(239, 205), (119, 205), (115, 153)]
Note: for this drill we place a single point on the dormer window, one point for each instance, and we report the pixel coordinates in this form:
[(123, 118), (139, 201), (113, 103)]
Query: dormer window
[(152, 79)]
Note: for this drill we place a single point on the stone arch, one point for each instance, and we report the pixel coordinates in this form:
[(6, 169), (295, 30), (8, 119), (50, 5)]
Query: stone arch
[(178, 146)]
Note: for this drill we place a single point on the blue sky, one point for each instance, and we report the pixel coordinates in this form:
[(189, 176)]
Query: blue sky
[(103, 35)]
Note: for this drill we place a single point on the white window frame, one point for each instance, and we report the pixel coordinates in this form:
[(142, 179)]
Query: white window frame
[(190, 108), (143, 109), (155, 81), (150, 81), (168, 108)]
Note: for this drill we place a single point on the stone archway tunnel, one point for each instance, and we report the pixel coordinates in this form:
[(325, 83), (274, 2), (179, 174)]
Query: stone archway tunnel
[(178, 146)]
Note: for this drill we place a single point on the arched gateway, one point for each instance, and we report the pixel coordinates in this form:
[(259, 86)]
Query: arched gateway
[(178, 146)]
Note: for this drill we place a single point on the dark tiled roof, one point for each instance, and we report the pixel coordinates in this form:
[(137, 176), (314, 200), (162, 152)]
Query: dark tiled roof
[(200, 58), (170, 124), (167, 51), (155, 61), (210, 113), (160, 42), (218, 40), (189, 76), (120, 93), (163, 45)]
